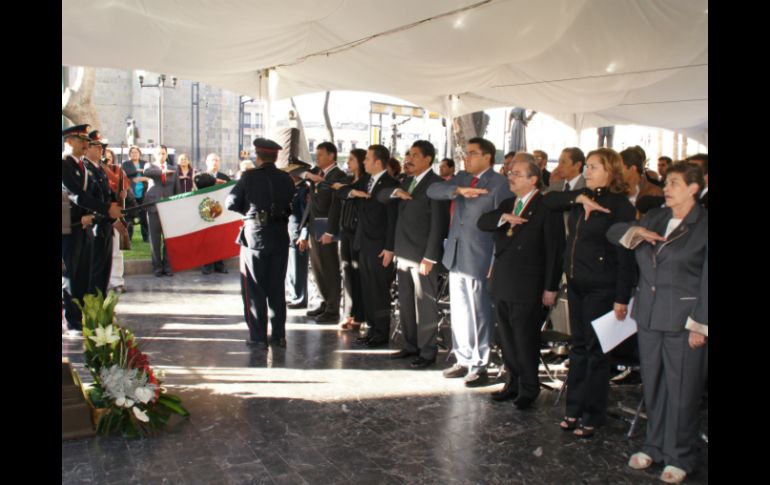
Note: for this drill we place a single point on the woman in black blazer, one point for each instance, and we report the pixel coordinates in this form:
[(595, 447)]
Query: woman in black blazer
[(671, 313), (348, 219), (600, 277)]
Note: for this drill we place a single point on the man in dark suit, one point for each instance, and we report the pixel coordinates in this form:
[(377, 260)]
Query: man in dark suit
[(541, 158), (212, 168), (375, 240), (702, 159), (324, 251), (421, 228), (162, 184), (529, 242), (296, 276)]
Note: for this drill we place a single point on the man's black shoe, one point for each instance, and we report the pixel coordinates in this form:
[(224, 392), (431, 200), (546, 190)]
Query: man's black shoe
[(158, 273), (279, 342), (294, 306), (420, 363), (363, 340), (375, 342), (327, 318), (402, 354), (522, 402), (505, 394), (318, 311), (221, 270), (168, 273), (206, 271), (256, 343)]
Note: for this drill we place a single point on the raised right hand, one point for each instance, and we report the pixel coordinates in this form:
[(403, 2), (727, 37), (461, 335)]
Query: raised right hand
[(470, 192), (649, 236)]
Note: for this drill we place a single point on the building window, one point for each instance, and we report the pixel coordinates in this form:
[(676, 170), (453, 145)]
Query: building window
[(311, 142), (258, 120), (339, 145), (247, 120)]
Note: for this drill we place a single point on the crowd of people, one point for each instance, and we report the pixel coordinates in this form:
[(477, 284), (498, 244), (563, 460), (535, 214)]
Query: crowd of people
[(600, 225)]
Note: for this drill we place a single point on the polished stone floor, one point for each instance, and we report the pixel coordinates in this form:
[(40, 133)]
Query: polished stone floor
[(324, 411)]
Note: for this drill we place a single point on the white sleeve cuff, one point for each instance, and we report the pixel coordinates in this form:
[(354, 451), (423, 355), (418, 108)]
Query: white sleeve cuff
[(428, 260), (694, 326), (631, 239), (501, 222)]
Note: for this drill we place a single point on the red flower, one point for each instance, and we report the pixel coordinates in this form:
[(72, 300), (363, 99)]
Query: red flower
[(136, 359)]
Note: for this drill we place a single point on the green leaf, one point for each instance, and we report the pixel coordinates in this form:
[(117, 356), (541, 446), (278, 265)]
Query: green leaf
[(173, 406)]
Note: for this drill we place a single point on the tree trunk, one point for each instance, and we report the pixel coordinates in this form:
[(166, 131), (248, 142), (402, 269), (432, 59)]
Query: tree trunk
[(326, 117), (77, 100), (466, 127)]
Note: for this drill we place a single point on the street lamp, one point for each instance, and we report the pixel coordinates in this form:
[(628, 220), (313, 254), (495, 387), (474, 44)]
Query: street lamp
[(160, 84)]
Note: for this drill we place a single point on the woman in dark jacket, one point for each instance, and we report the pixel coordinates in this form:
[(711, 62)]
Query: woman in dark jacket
[(600, 277), (671, 313), (353, 299)]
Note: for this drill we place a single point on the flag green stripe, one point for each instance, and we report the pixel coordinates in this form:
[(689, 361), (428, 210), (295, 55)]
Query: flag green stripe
[(197, 192)]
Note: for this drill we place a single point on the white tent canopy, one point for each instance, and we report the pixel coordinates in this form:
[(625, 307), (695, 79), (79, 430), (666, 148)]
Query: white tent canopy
[(586, 62)]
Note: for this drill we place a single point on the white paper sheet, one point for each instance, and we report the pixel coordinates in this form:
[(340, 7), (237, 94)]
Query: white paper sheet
[(611, 331)]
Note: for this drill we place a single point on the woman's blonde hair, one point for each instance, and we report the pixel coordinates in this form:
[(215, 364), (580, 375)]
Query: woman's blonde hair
[(612, 163)]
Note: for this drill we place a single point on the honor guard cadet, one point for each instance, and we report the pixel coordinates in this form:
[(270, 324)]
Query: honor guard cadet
[(76, 246), (101, 252), (264, 197)]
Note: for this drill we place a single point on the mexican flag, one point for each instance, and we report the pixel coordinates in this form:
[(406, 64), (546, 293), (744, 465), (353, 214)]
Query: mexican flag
[(197, 227)]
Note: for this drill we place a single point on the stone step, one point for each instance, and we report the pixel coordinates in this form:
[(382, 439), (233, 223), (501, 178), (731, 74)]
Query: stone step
[(144, 266)]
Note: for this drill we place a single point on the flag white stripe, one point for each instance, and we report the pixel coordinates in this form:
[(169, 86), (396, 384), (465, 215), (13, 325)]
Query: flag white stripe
[(182, 216)]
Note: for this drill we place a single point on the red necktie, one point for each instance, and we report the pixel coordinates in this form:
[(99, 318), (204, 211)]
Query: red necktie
[(82, 168), (163, 174), (452, 205)]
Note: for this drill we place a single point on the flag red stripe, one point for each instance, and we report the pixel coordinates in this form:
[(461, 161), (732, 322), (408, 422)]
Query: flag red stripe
[(203, 247)]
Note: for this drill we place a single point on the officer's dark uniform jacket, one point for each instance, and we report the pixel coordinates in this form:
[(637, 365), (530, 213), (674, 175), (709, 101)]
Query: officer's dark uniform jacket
[(251, 195), (100, 190), (82, 193), (589, 258)]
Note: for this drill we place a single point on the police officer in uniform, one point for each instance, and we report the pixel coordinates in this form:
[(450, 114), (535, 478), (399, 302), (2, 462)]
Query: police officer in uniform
[(264, 197), (76, 246), (101, 252)]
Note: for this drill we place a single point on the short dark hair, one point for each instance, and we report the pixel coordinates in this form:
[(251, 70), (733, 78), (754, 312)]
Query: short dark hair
[(487, 147), (449, 162), (704, 158), (633, 157), (510, 154), (381, 153), (395, 165), (691, 173), (329, 147), (541, 152), (667, 159), (426, 148), (576, 155), (267, 156)]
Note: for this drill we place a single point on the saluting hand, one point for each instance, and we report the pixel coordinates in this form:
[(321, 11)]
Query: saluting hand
[(513, 220), (337, 185), (401, 194), (313, 177), (590, 205), (470, 192), (649, 236), (360, 194)]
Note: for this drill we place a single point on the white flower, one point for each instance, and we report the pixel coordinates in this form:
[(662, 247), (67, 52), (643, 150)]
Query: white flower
[(141, 415), (104, 336), (144, 393)]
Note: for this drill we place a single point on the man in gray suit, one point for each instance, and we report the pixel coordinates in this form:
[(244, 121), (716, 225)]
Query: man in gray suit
[(468, 257), (162, 184), (420, 231)]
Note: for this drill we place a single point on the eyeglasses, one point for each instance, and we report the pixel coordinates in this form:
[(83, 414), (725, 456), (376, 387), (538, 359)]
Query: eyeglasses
[(510, 173)]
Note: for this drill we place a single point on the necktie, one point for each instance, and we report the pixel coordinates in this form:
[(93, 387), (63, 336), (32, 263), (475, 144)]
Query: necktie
[(163, 174), (82, 167), (452, 205), (369, 185), (412, 185), (519, 206), (566, 187)]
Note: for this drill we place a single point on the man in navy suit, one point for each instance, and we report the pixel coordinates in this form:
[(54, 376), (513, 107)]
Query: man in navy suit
[(375, 239), (529, 242)]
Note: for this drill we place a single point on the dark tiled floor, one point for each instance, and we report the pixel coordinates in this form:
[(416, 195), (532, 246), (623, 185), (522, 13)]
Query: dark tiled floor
[(323, 411)]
